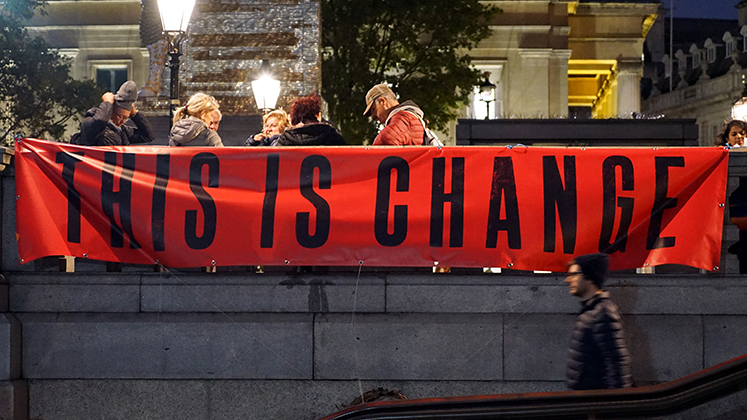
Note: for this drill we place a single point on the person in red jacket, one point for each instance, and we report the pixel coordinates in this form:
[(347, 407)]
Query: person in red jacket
[(403, 123)]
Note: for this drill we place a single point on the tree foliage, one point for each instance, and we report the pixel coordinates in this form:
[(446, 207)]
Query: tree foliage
[(37, 95), (412, 45)]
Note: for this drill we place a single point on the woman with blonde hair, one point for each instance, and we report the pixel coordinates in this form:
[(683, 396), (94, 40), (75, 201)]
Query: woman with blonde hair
[(191, 123), (274, 124)]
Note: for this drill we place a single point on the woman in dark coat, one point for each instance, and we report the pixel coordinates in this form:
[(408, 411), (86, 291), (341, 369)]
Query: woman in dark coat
[(308, 128)]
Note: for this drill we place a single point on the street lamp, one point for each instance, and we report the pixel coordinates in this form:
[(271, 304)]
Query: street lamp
[(487, 94), (175, 16), (739, 108), (266, 89)]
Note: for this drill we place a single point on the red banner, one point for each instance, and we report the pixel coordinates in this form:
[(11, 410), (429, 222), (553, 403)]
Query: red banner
[(523, 208)]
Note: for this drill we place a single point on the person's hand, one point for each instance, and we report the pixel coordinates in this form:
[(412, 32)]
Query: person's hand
[(259, 136), (134, 111), (108, 97)]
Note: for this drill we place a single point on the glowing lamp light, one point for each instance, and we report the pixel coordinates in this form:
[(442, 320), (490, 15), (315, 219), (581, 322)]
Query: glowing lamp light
[(266, 89), (175, 14)]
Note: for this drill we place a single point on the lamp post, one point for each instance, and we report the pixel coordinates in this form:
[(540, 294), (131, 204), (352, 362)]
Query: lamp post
[(487, 94), (739, 108), (175, 16), (265, 88)]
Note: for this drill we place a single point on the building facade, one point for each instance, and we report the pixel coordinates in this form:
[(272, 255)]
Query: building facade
[(701, 74), (548, 59)]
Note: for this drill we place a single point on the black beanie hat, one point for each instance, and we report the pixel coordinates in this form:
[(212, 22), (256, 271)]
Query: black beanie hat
[(594, 267)]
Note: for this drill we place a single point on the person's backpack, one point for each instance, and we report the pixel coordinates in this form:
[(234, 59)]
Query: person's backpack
[(429, 137)]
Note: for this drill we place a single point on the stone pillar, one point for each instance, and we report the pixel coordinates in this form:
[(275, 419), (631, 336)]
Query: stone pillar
[(228, 41), (530, 83), (558, 95), (629, 87)]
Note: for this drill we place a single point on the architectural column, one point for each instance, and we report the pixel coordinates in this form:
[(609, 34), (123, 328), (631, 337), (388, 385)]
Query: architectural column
[(529, 83), (558, 95), (629, 73)]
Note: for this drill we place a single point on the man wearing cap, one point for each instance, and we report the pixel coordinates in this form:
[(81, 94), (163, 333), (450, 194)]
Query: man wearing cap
[(598, 357), (403, 123), (105, 124)]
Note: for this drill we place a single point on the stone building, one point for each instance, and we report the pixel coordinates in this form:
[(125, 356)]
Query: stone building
[(549, 59), (702, 76)]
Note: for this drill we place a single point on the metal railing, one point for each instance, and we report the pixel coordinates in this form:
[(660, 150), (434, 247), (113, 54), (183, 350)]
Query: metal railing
[(631, 403)]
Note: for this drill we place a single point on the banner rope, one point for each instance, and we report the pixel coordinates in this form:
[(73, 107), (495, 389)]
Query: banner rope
[(353, 331)]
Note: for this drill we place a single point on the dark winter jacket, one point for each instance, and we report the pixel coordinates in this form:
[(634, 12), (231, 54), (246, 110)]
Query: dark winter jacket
[(97, 130), (192, 131), (403, 128), (315, 134), (598, 357), (263, 141)]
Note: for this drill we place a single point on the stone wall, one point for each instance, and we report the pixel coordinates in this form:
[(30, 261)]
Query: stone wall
[(283, 345)]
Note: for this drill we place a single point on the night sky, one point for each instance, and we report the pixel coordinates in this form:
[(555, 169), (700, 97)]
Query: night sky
[(713, 9)]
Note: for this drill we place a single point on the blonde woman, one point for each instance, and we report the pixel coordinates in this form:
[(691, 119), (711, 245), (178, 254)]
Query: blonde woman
[(191, 123), (274, 124)]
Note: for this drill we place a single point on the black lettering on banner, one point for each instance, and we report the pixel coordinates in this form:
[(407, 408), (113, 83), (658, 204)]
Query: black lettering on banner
[(439, 199), (158, 215), (206, 201), (122, 198), (661, 201), (383, 192), (560, 194), (504, 184), (609, 184), (267, 234), (321, 231), (68, 162)]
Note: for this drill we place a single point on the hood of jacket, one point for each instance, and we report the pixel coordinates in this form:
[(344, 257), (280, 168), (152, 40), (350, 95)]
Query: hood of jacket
[(310, 135), (405, 106), (186, 129)]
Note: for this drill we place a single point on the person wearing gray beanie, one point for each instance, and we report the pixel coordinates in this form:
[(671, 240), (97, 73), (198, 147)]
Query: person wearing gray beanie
[(105, 125), (598, 356)]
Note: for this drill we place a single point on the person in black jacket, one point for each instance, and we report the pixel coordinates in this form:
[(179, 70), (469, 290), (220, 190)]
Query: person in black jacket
[(105, 124), (308, 128), (598, 357)]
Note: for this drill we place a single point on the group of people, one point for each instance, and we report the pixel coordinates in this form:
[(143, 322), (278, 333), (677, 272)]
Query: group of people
[(598, 357), (196, 123)]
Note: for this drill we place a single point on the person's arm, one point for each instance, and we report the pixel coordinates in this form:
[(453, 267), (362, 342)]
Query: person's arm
[(144, 132), (213, 139), (255, 140), (608, 334), (92, 126), (395, 133)]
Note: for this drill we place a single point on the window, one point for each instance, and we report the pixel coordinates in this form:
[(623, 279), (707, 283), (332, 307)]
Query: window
[(479, 108), (710, 51), (110, 74), (111, 78)]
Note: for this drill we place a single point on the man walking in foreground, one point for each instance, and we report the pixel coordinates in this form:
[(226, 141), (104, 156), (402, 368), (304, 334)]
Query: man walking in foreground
[(598, 357)]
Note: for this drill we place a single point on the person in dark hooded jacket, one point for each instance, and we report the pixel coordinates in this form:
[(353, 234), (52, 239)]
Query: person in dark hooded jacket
[(598, 356), (308, 128), (105, 124)]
